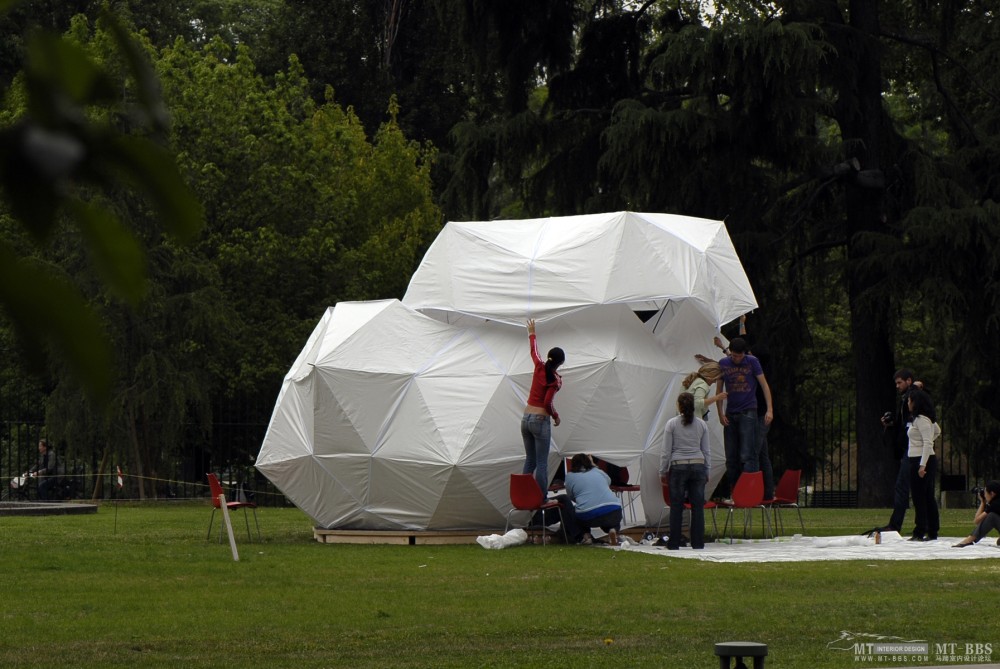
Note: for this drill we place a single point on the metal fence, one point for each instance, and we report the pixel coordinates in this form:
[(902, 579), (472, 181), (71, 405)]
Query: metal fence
[(821, 442), (228, 449)]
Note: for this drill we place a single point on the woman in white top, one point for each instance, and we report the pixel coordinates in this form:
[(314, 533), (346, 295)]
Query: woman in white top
[(923, 465)]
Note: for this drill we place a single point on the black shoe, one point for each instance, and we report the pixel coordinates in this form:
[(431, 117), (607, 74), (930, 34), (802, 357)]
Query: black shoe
[(930, 537), (884, 528), (916, 538)]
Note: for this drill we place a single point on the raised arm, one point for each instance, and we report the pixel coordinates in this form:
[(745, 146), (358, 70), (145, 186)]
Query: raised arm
[(533, 342)]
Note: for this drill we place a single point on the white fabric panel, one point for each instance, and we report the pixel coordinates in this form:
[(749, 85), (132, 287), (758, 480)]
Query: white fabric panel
[(549, 267), (393, 419)]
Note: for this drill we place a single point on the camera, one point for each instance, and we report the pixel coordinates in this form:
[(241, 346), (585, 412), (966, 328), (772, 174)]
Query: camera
[(979, 492), (887, 418)]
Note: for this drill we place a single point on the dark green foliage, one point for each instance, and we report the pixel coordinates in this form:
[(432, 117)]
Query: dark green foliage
[(301, 211), (824, 137), (56, 156), (851, 148)]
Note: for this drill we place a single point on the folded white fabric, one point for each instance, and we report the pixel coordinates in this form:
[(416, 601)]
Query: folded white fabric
[(514, 537)]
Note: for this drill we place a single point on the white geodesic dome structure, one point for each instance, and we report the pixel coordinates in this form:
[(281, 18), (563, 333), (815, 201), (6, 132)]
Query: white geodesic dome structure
[(406, 415)]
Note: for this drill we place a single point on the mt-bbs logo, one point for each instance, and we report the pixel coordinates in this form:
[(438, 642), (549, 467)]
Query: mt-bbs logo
[(963, 648)]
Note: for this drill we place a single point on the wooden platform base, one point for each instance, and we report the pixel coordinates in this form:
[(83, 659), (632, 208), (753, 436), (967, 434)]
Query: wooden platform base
[(417, 537)]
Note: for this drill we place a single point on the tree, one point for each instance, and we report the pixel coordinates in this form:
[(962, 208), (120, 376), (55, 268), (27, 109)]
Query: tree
[(946, 93), (62, 146), (771, 117), (302, 209)]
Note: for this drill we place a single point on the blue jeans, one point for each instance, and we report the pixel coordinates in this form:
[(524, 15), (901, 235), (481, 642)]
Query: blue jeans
[(687, 482), (741, 441), (901, 496), (575, 526), (536, 431)]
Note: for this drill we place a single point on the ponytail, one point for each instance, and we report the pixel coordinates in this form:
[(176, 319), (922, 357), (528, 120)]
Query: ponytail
[(556, 358), (685, 403)]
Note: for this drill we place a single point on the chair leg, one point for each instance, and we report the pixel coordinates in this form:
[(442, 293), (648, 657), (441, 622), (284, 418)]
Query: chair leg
[(527, 527), (776, 520), (765, 523), (659, 521), (210, 521), (562, 525), (801, 524), (246, 519), (715, 525), (257, 523)]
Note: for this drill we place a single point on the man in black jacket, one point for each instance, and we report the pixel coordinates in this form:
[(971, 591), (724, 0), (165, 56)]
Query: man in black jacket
[(898, 423)]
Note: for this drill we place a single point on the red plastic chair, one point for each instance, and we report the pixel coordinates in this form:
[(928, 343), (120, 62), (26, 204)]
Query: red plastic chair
[(709, 506), (216, 489), (626, 492), (786, 496), (748, 494), (525, 495)]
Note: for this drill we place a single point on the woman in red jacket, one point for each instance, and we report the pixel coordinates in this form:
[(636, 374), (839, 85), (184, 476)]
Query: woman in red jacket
[(539, 414)]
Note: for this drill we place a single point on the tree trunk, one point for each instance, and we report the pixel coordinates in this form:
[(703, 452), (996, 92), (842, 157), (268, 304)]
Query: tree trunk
[(136, 453), (860, 115)]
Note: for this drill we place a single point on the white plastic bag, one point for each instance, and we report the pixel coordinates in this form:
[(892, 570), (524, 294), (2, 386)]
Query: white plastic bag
[(515, 537)]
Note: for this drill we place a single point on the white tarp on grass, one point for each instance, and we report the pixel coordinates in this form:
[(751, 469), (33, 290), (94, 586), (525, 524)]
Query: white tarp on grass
[(808, 549)]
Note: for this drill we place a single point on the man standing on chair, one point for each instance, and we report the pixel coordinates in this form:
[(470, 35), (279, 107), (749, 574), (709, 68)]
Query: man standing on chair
[(741, 374)]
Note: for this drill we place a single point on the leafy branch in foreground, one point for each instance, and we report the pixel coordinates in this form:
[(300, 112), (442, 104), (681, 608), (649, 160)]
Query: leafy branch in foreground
[(59, 154)]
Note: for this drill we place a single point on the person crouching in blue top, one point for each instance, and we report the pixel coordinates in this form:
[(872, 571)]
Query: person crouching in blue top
[(593, 503), (684, 465)]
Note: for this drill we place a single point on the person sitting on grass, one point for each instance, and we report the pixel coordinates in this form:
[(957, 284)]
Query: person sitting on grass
[(590, 502), (987, 516)]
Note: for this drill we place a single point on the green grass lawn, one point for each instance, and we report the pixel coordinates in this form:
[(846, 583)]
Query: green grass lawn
[(148, 590)]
